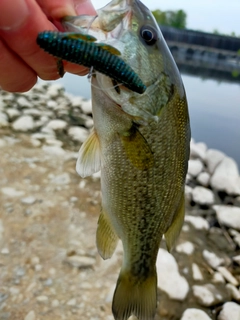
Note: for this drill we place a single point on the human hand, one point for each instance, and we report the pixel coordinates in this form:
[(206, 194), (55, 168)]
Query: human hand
[(21, 59)]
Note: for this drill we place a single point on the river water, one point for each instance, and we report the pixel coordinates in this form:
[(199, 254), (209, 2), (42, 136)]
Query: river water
[(214, 109)]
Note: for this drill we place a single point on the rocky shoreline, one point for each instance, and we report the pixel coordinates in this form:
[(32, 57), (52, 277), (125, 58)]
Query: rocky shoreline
[(41, 132)]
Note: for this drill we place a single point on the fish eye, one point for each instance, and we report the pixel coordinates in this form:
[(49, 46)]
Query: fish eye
[(149, 35)]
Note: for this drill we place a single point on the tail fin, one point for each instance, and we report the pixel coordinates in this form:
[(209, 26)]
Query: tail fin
[(135, 296)]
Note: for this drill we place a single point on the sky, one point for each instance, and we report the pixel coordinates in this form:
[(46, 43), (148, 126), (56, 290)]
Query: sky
[(205, 15)]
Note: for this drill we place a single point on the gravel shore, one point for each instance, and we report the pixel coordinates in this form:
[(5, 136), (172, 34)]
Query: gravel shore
[(49, 265)]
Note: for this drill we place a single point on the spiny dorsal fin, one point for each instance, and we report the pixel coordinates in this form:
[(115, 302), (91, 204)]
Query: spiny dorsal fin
[(106, 237), (175, 228), (137, 149), (89, 158)]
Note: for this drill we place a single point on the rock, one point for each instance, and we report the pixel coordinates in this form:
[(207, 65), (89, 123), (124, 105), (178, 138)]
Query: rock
[(228, 276), (24, 123), (11, 192), (3, 143), (202, 196), (197, 274), (236, 258), (13, 113), (23, 102), (228, 216), (198, 150), (226, 177), (204, 178), (3, 120), (55, 90), (78, 134), (55, 303), (57, 124), (28, 200), (81, 261), (213, 158), (60, 179), (30, 316), (233, 291), (42, 299), (194, 314), (86, 106), (207, 295), (72, 302), (5, 251), (185, 247), (218, 278), (188, 193), (195, 167), (1, 229), (230, 311), (212, 259), (198, 223), (169, 279), (54, 150)]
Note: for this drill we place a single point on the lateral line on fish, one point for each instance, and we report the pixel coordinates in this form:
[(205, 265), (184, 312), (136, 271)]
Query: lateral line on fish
[(90, 54)]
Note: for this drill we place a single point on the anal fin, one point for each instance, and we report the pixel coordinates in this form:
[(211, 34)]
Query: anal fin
[(89, 159), (175, 228), (106, 237)]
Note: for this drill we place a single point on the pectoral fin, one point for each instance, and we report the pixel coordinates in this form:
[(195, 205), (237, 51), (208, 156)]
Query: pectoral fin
[(175, 228), (106, 237), (137, 149), (89, 159)]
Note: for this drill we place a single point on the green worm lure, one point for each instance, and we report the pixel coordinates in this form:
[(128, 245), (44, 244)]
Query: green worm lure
[(82, 49)]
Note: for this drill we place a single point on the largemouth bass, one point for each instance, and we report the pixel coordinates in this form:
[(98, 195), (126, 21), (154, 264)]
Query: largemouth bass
[(140, 142)]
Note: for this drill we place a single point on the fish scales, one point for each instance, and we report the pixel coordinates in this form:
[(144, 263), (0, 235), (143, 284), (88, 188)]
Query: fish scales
[(140, 142)]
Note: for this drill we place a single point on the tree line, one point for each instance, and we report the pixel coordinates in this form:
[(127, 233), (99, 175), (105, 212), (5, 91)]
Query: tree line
[(176, 19)]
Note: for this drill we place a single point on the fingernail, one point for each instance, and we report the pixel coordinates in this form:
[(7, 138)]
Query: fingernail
[(12, 15)]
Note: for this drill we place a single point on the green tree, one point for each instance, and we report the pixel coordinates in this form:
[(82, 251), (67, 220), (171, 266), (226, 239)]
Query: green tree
[(176, 19)]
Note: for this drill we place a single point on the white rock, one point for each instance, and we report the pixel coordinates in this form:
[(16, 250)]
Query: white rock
[(23, 102), (12, 113), (86, 107), (28, 200), (202, 196), (1, 229), (5, 251), (54, 90), (42, 299), (3, 143), (198, 150), (218, 278), (234, 292), (212, 259), (203, 178), (213, 158), (61, 179), (11, 192), (78, 133), (72, 302), (197, 274), (30, 316), (198, 223), (54, 150), (76, 101), (230, 311), (52, 104), (169, 279), (24, 123), (228, 276), (236, 258), (55, 303), (3, 120), (228, 216), (195, 167), (207, 295), (194, 314), (57, 124), (185, 247), (188, 193), (54, 142), (226, 177), (81, 261)]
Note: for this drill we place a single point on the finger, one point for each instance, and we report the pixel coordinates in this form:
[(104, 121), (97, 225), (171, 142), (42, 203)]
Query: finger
[(15, 75)]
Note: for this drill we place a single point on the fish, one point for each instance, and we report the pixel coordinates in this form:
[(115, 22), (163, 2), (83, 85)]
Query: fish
[(82, 49), (140, 142)]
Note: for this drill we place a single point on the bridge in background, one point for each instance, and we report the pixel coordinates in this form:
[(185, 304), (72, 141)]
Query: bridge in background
[(209, 54)]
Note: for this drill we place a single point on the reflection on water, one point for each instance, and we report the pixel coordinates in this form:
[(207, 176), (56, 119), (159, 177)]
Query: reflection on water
[(214, 110)]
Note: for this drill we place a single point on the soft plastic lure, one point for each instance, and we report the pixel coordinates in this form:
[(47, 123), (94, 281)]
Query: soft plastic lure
[(82, 49)]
